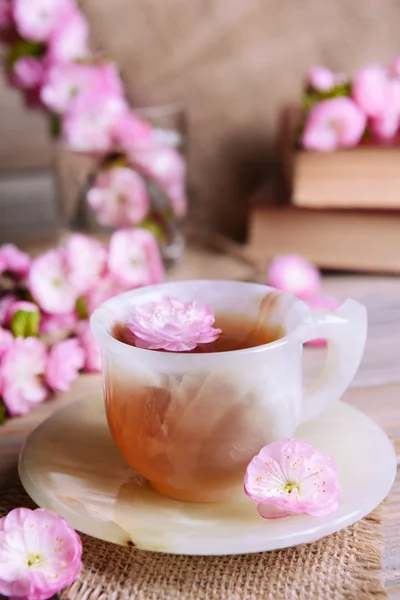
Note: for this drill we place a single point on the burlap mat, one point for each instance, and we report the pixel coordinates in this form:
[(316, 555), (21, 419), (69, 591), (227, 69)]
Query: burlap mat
[(343, 566)]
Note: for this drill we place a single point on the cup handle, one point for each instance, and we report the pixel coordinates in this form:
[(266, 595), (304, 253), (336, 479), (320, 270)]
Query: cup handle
[(346, 331)]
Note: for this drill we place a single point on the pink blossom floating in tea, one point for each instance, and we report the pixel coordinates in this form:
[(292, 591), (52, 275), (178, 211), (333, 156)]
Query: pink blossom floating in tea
[(291, 477), (40, 554), (172, 325)]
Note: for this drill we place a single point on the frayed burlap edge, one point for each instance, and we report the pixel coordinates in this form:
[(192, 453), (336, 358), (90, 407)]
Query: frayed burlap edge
[(342, 566)]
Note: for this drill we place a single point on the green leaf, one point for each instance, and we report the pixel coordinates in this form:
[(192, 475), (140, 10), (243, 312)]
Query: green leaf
[(81, 308), (116, 160), (154, 228), (25, 323), (3, 412), (55, 125), (24, 48), (312, 97)]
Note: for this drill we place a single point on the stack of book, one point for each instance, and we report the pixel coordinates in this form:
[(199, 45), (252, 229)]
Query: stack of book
[(344, 209)]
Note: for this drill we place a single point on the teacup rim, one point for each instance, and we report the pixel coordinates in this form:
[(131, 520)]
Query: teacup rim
[(104, 337)]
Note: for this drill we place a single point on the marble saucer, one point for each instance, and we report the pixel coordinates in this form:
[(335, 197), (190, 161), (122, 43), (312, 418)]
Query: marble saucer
[(70, 465)]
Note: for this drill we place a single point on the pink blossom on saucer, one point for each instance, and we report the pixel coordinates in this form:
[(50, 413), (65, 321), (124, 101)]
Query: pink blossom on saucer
[(91, 347), (6, 341), (370, 90), (130, 131), (27, 72), (291, 477), (21, 375), (167, 168), (294, 274), (65, 360), (119, 197), (69, 39), (87, 126), (49, 283), (40, 554), (334, 123), (321, 79), (173, 325), (86, 260), (36, 19), (14, 260), (65, 81), (134, 258), (321, 303)]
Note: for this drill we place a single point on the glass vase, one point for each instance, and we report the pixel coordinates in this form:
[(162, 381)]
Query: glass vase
[(77, 173)]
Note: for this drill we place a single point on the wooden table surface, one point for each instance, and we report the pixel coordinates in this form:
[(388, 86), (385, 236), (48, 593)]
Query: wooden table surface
[(375, 390)]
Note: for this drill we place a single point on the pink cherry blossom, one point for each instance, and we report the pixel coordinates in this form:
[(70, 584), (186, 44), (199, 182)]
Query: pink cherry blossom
[(6, 15), (28, 72), (3, 263), (21, 375), (291, 477), (13, 260), (321, 79), (69, 39), (294, 274), (176, 192), (370, 90), (86, 260), (386, 126), (8, 33), (394, 67), (36, 19), (65, 81), (6, 341), (134, 258), (332, 124), (172, 325), (32, 98), (166, 167), (107, 287), (66, 359), (321, 303), (90, 346), (49, 284), (88, 125), (119, 197), (5, 303), (58, 325), (40, 554), (130, 131)]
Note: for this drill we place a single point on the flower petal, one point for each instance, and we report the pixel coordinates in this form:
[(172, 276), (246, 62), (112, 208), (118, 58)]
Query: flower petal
[(269, 511)]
